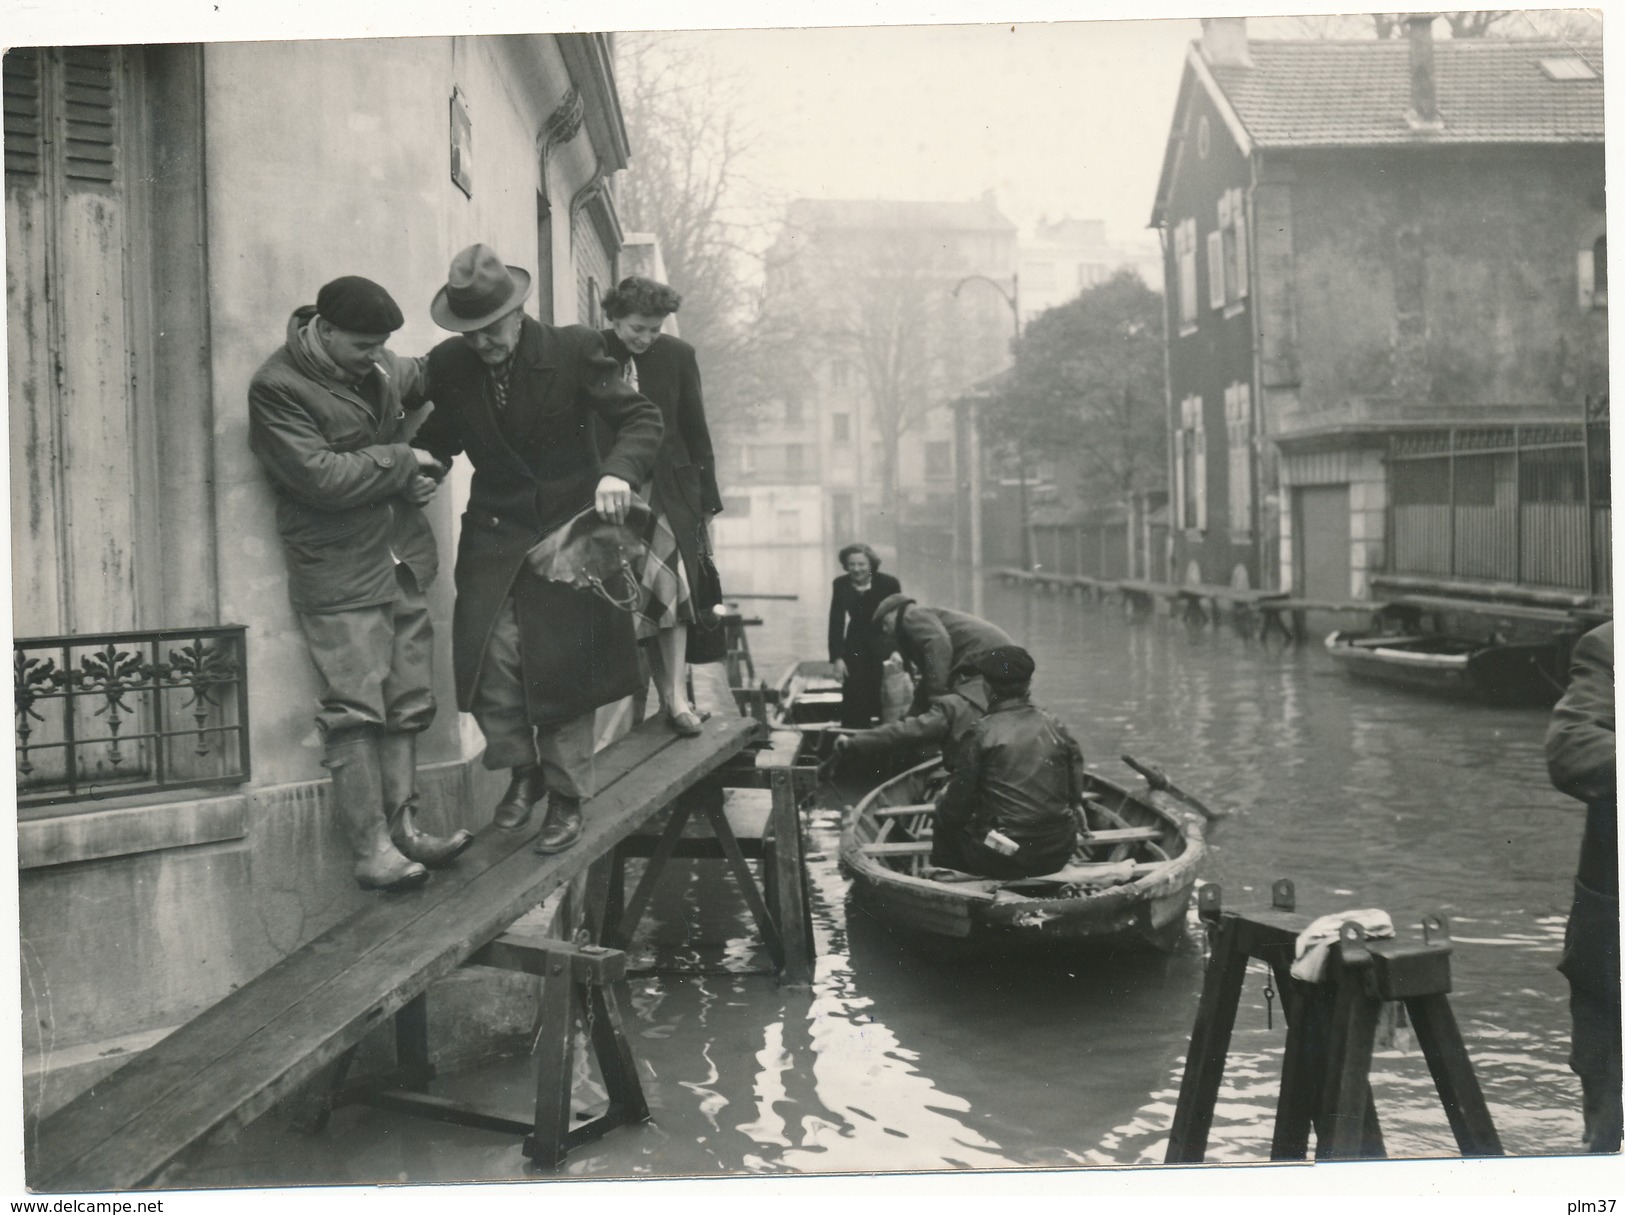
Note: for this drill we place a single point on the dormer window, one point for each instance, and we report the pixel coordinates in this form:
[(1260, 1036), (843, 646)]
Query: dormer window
[(1593, 274), (1568, 67)]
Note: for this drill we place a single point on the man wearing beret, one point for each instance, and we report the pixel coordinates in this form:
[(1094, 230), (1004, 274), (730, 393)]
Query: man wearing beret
[(934, 643), (1007, 812), (534, 658), (327, 415)]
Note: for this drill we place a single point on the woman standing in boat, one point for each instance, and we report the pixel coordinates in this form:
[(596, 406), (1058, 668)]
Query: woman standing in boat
[(855, 645), (683, 487)]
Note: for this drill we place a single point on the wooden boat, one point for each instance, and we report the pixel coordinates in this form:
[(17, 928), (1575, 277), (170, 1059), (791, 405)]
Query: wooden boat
[(808, 694), (1130, 889), (1529, 673)]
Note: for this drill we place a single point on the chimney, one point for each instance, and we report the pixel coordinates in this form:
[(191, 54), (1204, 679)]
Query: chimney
[(1424, 112), (1224, 41)]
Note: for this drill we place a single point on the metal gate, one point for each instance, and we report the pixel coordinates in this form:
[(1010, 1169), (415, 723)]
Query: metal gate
[(1529, 505)]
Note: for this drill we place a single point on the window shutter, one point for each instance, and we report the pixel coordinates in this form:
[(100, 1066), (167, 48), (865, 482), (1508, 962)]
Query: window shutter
[(1179, 477), (89, 113), (1215, 269), (24, 114), (1585, 264), (1201, 470), (1238, 216)]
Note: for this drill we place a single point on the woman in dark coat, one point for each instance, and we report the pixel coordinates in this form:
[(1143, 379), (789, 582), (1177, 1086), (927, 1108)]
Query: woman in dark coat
[(855, 647), (682, 490)]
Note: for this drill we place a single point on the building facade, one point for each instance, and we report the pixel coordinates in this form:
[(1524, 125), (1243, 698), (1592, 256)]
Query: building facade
[(167, 208), (1385, 267), (860, 441)]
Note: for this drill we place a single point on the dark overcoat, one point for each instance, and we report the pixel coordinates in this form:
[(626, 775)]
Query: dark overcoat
[(683, 486), (536, 465)]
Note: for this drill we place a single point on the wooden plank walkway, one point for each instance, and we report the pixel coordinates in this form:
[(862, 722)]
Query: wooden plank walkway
[(232, 1063)]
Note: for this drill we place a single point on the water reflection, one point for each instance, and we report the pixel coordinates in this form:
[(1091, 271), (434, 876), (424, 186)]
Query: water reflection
[(1365, 797)]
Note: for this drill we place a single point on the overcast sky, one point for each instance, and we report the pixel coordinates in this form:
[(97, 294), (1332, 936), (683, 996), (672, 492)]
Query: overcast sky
[(1057, 119)]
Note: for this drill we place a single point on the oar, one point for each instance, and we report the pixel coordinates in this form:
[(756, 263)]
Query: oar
[(1158, 780)]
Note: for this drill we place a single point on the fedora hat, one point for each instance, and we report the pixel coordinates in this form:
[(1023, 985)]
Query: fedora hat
[(479, 289)]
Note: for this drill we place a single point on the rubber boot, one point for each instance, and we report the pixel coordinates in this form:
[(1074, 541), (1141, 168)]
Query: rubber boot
[(563, 826), (524, 791), (398, 760), (358, 797)]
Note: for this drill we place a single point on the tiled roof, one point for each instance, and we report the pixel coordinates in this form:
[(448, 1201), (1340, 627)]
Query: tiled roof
[(879, 213), (1489, 90)]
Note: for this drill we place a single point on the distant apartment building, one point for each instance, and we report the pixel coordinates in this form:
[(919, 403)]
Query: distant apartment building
[(1066, 256), (858, 440)]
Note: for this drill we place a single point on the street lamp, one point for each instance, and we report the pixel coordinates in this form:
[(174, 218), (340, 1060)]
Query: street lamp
[(1012, 299)]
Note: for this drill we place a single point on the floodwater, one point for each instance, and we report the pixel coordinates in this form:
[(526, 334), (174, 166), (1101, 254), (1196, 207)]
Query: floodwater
[(1365, 797)]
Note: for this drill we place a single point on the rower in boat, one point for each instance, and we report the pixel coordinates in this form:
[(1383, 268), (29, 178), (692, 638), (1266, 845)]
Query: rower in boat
[(933, 643), (1008, 811)]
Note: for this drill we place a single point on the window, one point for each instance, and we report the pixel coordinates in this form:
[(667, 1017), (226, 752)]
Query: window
[(840, 428), (792, 413), (877, 458), (1569, 67), (939, 459), (792, 459), (789, 526), (736, 505), (1185, 256), (1593, 274), (747, 459), (1190, 466), (840, 372), (1238, 424)]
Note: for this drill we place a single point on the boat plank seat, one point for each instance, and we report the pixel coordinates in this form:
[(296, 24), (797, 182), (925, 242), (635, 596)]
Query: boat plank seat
[(304, 1016), (1124, 835)]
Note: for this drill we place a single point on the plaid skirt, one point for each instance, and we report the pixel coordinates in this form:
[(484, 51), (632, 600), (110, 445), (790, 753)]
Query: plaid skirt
[(663, 582)]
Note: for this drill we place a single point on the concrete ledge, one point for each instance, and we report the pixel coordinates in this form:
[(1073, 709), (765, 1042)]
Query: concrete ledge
[(143, 825)]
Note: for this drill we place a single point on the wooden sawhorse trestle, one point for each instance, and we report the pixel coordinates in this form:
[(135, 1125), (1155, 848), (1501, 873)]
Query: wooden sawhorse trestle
[(578, 980), (1331, 1032), (752, 809)]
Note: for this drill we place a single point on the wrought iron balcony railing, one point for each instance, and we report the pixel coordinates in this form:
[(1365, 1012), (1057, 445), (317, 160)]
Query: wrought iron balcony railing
[(113, 714)]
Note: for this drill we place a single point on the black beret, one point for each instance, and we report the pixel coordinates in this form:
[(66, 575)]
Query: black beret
[(1003, 664), (358, 305)]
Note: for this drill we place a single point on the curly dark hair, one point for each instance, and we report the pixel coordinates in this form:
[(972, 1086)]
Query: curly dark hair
[(642, 296), (860, 547)]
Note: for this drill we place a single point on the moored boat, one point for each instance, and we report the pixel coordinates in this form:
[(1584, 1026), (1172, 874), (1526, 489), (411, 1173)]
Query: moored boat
[(1497, 673), (1128, 887)]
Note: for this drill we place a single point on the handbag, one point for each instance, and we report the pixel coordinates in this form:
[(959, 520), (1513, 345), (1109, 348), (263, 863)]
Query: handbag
[(707, 636)]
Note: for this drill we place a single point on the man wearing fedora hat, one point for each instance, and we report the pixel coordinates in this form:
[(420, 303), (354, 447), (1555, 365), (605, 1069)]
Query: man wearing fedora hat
[(327, 416), (533, 658)]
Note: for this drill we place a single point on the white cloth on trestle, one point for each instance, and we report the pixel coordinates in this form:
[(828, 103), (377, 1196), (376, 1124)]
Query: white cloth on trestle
[(1315, 941)]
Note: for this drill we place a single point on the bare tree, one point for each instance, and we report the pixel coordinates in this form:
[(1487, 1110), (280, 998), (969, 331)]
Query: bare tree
[(686, 185), (1468, 23)]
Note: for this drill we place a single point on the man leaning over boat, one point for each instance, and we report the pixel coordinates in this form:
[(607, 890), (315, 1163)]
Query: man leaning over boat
[(1009, 809), (934, 643)]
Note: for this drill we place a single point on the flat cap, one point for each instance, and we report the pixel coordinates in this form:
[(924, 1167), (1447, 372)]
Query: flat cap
[(358, 305), (1003, 664), (890, 604)]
